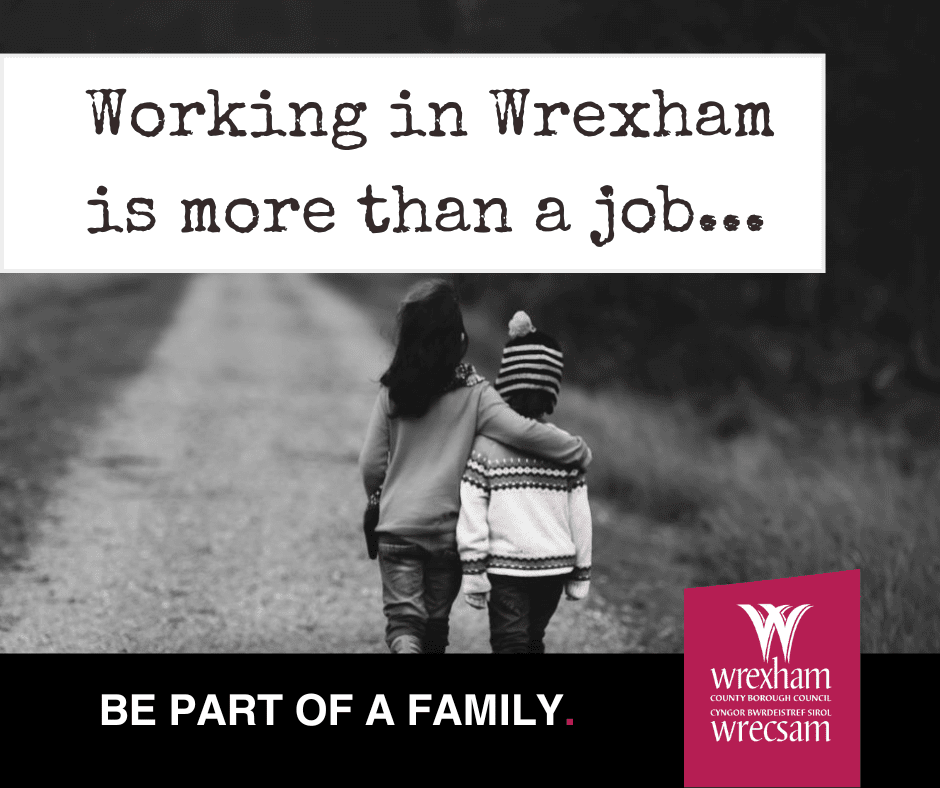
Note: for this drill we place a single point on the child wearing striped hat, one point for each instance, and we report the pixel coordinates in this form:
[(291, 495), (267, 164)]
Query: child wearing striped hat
[(524, 531)]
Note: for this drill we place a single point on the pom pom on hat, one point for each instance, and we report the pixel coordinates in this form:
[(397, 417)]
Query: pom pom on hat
[(520, 325), (531, 359)]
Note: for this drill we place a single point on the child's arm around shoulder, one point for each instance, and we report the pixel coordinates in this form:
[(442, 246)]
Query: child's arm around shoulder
[(373, 459), (498, 421), (473, 529)]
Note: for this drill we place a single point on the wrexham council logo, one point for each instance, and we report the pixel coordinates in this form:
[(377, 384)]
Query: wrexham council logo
[(765, 624)]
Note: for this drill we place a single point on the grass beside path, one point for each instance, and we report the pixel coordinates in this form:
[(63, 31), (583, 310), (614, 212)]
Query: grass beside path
[(67, 341), (678, 504)]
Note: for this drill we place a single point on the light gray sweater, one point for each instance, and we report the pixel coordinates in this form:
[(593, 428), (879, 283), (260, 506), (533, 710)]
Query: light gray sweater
[(524, 517), (418, 462)]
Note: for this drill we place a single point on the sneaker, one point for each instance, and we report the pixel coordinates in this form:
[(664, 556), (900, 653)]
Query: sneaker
[(406, 644)]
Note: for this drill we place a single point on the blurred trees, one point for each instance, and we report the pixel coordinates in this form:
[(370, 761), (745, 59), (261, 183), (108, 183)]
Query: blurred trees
[(873, 320), (801, 340)]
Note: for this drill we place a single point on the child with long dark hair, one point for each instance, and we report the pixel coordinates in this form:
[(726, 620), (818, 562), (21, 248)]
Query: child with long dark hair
[(427, 414)]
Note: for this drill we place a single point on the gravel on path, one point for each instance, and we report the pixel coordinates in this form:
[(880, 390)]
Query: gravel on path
[(217, 507)]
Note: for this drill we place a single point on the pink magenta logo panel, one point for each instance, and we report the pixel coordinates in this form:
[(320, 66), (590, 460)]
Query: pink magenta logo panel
[(763, 707)]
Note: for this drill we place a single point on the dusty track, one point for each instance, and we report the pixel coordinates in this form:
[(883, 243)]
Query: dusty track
[(217, 507)]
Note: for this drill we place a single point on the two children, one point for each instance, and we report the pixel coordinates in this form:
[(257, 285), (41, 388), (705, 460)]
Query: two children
[(428, 413)]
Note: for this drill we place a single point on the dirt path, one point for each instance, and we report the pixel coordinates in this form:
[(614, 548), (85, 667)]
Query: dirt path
[(217, 508)]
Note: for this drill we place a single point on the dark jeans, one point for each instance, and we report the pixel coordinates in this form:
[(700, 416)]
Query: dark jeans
[(520, 609), (418, 589)]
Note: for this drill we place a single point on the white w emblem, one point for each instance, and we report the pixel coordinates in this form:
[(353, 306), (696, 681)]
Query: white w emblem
[(774, 620)]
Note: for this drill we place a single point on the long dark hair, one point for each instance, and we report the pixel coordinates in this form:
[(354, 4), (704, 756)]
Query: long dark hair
[(431, 343)]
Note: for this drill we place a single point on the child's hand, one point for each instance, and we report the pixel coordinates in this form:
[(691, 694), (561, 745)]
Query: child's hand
[(576, 590), (479, 601), (476, 589)]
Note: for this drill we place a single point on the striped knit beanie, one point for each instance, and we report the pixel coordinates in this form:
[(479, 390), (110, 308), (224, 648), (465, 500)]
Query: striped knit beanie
[(531, 360)]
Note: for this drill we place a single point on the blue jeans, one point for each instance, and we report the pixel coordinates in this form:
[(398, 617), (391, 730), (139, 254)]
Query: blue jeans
[(418, 590)]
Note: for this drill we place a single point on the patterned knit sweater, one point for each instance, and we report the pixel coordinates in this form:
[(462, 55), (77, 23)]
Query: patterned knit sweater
[(524, 517)]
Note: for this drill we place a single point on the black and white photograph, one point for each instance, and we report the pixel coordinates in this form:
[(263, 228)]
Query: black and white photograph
[(187, 458), (339, 454)]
